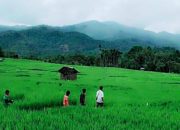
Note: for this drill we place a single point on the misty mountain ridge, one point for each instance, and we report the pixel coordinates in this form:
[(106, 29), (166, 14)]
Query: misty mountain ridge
[(111, 31), (82, 38)]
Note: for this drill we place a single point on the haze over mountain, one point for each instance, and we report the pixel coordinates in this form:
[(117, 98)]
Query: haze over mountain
[(4, 28), (154, 15), (112, 31)]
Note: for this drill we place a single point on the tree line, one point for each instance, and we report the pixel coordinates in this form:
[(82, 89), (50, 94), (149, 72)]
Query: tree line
[(145, 58), (150, 59), (8, 54)]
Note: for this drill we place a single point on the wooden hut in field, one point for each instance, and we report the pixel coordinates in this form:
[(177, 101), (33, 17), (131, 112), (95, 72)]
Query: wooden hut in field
[(68, 73)]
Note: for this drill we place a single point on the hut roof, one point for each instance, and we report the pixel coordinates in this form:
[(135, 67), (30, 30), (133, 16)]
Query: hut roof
[(68, 70)]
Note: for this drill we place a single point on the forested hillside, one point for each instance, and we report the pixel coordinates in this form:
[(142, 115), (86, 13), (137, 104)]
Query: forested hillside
[(44, 41)]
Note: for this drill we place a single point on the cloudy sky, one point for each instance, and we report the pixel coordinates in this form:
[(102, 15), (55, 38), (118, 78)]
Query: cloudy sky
[(154, 15)]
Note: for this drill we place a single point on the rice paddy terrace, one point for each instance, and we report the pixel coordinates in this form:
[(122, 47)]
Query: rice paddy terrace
[(133, 99)]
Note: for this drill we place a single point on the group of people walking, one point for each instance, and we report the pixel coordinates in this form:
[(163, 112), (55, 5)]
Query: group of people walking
[(82, 99), (99, 98)]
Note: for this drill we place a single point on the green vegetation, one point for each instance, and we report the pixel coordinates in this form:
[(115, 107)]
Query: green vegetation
[(133, 99)]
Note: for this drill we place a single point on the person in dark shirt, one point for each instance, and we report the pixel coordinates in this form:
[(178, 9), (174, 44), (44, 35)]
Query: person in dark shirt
[(82, 97), (6, 98)]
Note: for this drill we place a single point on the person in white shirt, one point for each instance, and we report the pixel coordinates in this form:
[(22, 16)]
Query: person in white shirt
[(100, 97)]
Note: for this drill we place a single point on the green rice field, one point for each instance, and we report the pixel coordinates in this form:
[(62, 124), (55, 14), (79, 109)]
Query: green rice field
[(137, 100)]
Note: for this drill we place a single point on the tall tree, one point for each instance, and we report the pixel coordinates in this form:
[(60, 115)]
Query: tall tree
[(1, 52), (110, 57)]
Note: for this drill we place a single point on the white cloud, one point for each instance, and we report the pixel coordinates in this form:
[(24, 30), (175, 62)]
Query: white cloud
[(156, 15)]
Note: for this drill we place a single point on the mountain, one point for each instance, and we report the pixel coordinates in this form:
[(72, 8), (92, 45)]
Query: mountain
[(112, 31), (85, 37), (46, 40)]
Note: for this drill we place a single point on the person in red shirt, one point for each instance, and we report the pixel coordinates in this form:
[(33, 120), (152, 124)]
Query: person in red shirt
[(66, 100)]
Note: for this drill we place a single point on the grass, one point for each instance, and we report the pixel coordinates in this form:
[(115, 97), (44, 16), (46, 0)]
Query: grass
[(133, 99)]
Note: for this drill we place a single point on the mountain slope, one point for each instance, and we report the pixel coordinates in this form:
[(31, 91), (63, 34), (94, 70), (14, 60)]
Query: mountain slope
[(47, 40), (112, 31), (43, 40)]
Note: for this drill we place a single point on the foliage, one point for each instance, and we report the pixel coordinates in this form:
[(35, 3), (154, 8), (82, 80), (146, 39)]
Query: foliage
[(157, 59)]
